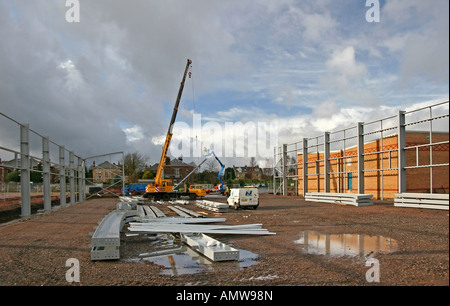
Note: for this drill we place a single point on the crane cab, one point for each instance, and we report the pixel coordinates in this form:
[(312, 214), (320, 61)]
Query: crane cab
[(165, 186)]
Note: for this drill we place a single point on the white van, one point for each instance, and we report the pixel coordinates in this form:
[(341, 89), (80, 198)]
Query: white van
[(243, 197)]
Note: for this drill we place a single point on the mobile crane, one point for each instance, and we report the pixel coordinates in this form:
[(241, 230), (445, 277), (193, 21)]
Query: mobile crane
[(160, 188)]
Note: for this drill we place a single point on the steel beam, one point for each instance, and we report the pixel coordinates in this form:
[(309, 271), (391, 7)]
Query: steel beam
[(211, 248)]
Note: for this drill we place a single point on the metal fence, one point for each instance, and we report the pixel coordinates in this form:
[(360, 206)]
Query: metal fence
[(392, 155), (29, 153)]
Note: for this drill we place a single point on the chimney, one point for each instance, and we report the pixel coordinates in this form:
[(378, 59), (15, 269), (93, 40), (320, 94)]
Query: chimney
[(167, 160)]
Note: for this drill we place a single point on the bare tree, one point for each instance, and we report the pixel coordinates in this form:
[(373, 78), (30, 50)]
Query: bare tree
[(134, 163), (252, 167), (211, 165)]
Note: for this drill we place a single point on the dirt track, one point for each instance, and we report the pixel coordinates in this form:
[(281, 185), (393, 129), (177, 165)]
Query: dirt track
[(34, 251)]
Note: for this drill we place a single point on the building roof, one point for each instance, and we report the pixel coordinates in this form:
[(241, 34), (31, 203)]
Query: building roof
[(107, 165), (174, 163)]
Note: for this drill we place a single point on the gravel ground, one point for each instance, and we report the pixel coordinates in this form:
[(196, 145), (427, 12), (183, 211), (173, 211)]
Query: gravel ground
[(34, 251)]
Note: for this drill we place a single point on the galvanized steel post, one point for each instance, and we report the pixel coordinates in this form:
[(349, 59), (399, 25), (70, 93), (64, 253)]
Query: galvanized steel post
[(326, 163), (401, 152), (274, 171), (360, 129), (25, 170), (305, 166), (80, 180), (285, 183), (72, 177), (62, 177), (46, 174)]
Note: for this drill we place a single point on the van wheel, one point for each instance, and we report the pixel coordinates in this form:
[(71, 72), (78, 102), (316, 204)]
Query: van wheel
[(255, 207), (236, 206)]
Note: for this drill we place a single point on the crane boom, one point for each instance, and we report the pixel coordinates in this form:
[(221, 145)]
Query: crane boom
[(158, 177)]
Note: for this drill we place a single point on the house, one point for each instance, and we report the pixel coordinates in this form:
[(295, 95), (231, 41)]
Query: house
[(175, 169), (248, 172), (105, 172)]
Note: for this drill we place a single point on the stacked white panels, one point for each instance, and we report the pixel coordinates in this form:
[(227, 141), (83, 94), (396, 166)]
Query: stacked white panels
[(355, 199), (213, 206), (422, 200)]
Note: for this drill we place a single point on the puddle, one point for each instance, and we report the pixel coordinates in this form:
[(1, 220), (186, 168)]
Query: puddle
[(178, 258), (337, 245)]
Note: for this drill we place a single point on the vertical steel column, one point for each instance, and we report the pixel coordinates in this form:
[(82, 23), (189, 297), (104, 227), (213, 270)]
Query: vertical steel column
[(285, 183), (360, 130), (274, 171), (326, 165), (72, 177), (123, 171), (62, 177), (46, 174), (430, 148), (25, 170), (401, 152), (305, 166), (80, 180)]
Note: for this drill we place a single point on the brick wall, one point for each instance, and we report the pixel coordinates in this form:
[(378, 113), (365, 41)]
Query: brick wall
[(344, 176)]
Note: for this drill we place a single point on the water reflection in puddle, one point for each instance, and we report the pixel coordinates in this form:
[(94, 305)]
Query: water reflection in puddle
[(190, 262), (178, 258), (355, 245)]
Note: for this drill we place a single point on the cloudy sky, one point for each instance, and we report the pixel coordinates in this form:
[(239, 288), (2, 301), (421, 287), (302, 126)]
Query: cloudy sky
[(109, 82)]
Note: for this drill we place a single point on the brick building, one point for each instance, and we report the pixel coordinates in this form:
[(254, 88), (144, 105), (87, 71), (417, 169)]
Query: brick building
[(247, 172), (382, 183), (175, 169), (105, 172)]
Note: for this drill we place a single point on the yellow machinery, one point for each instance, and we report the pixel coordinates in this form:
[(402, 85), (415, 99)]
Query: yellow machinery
[(163, 189)]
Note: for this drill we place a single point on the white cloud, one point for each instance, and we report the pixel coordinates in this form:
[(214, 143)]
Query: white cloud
[(301, 62), (344, 65), (134, 133)]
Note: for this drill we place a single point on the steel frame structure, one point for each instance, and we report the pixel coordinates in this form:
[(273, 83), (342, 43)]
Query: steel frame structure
[(35, 147), (287, 166)]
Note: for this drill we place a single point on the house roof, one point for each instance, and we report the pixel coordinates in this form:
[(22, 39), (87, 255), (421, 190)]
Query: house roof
[(107, 165), (174, 163)]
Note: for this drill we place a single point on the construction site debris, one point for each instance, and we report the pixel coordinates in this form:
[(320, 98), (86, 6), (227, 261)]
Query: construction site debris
[(211, 205)]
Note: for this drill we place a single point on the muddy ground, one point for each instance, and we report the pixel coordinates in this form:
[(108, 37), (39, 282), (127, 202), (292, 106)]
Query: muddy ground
[(316, 244)]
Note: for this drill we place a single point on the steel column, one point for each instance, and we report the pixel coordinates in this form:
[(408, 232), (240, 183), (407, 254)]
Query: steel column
[(25, 170), (401, 152), (62, 177), (274, 172), (360, 129), (326, 162), (305, 166), (46, 174), (72, 177), (80, 180), (284, 159)]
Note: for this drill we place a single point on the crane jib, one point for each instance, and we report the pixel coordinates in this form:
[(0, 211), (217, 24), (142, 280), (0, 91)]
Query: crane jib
[(158, 178)]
